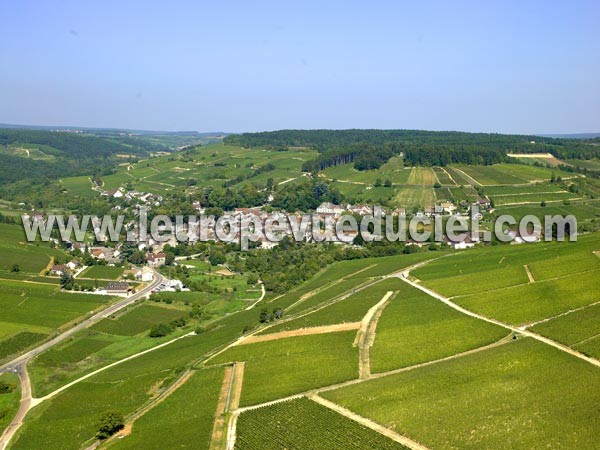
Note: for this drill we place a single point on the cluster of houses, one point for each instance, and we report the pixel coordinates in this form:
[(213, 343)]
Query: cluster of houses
[(139, 199)]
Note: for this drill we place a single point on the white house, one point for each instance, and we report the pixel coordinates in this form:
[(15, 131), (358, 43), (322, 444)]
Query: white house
[(329, 208), (147, 274)]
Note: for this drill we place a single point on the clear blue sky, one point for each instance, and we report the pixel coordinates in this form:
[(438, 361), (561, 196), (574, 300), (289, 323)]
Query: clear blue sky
[(505, 66)]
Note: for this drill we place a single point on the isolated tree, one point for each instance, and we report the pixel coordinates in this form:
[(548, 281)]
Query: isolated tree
[(109, 423), (387, 183), (265, 316), (66, 281), (378, 182), (15, 268)]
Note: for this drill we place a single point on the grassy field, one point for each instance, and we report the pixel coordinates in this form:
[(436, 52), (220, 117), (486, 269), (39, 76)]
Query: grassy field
[(287, 366), (493, 281), (415, 328), (593, 164), (32, 311), (9, 402), (512, 396), (14, 249), (415, 197), (303, 424), (351, 309), (352, 269), (422, 176), (579, 329), (443, 176), (79, 186), (184, 419), (504, 174), (494, 267), (210, 165), (102, 272), (68, 420), (585, 210), (139, 319)]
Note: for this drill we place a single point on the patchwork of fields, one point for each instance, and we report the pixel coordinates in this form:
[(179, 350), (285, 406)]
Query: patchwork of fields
[(409, 371)]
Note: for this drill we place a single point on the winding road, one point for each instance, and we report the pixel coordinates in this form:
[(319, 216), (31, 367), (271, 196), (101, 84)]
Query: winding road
[(19, 364)]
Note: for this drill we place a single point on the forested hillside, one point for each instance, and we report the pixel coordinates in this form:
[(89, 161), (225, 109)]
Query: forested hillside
[(369, 149)]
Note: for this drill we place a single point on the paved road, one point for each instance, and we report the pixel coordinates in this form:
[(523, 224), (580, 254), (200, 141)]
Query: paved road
[(19, 364), (113, 308)]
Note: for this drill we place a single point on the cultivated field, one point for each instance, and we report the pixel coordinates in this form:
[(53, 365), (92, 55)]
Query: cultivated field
[(513, 395), (303, 423)]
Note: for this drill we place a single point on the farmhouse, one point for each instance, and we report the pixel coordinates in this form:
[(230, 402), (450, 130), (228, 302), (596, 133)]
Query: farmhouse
[(100, 252), (146, 274), (460, 244), (58, 269), (448, 207), (519, 238), (73, 264), (156, 259), (115, 193)]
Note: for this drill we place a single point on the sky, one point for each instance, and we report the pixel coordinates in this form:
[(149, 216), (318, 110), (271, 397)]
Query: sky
[(492, 66)]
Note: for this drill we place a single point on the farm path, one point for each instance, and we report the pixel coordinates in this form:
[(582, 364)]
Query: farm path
[(449, 176), (19, 364), (263, 292), (405, 277), (566, 313), (468, 177), (301, 332), (130, 421), (529, 274), (326, 286), (407, 442), (216, 439), (368, 325), (36, 401), (233, 403)]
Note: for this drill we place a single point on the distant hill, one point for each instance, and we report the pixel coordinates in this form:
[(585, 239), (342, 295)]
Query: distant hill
[(573, 136)]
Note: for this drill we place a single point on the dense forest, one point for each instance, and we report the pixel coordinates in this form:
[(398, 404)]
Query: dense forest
[(369, 149)]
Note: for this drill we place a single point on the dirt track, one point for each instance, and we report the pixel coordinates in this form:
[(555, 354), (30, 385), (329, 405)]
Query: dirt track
[(216, 440), (529, 274), (367, 335), (368, 423), (301, 332)]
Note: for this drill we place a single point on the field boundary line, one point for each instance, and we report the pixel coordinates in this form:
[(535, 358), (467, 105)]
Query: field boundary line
[(315, 291), (407, 442), (367, 332), (583, 341), (468, 177), (139, 413), (529, 274), (515, 329), (324, 329), (505, 288), (37, 401), (216, 437), (566, 313), (332, 387), (234, 403)]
